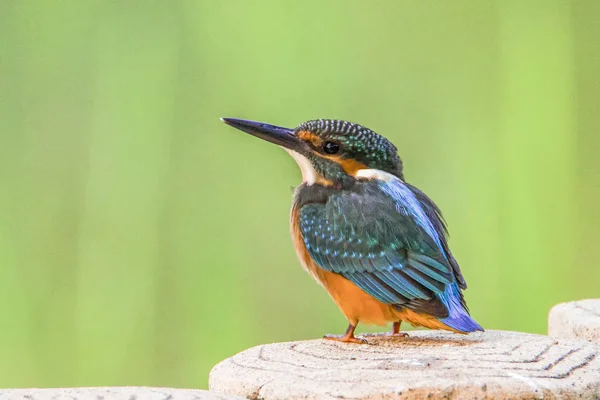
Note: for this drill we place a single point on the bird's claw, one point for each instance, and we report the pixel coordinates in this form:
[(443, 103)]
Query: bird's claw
[(345, 339)]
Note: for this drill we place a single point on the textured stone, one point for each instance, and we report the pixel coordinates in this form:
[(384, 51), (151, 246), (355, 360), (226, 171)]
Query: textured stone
[(112, 393), (426, 365), (576, 319)]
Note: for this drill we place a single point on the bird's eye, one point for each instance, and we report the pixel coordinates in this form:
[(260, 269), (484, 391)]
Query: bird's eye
[(331, 147)]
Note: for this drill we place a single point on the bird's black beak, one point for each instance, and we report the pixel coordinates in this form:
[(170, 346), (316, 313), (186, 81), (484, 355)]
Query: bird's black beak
[(284, 137)]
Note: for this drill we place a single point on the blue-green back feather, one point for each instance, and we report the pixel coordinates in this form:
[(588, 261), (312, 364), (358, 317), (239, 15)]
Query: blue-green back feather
[(389, 239)]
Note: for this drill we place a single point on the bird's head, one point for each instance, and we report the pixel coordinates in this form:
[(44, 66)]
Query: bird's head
[(329, 152)]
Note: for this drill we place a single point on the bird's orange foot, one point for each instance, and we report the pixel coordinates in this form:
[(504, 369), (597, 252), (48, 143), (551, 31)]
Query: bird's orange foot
[(396, 330), (345, 339)]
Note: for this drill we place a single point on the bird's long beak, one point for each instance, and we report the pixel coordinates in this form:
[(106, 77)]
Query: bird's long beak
[(284, 137)]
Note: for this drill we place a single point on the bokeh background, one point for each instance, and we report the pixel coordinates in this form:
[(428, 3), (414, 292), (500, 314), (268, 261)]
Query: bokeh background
[(142, 240)]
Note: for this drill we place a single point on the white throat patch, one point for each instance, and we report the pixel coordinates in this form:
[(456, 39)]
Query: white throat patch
[(309, 175), (375, 174)]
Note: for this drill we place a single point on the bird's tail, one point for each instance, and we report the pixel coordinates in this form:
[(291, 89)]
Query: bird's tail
[(458, 318)]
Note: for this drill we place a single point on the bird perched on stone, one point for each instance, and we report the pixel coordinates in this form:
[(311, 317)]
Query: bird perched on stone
[(377, 244)]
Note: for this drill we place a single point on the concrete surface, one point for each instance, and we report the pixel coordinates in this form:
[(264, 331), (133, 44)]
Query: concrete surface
[(427, 365), (576, 319), (112, 393)]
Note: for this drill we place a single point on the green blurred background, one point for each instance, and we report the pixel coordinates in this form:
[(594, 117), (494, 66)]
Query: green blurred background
[(142, 240)]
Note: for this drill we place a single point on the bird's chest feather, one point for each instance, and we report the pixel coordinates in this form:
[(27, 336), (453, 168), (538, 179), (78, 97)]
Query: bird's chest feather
[(301, 251)]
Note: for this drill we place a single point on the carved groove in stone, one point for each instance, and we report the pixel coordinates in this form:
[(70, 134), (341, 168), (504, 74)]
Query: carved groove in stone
[(429, 364)]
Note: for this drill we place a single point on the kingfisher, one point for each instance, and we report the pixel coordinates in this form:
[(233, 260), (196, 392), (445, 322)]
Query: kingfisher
[(377, 244)]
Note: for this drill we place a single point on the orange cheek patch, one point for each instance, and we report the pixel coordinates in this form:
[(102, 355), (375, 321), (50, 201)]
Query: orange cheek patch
[(351, 167)]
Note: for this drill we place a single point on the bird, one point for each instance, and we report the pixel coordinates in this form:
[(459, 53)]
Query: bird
[(377, 244)]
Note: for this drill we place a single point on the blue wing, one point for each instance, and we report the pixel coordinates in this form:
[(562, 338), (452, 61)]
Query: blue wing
[(389, 240)]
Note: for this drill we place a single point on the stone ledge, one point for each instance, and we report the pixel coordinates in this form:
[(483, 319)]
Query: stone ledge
[(112, 393), (576, 319), (428, 364)]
